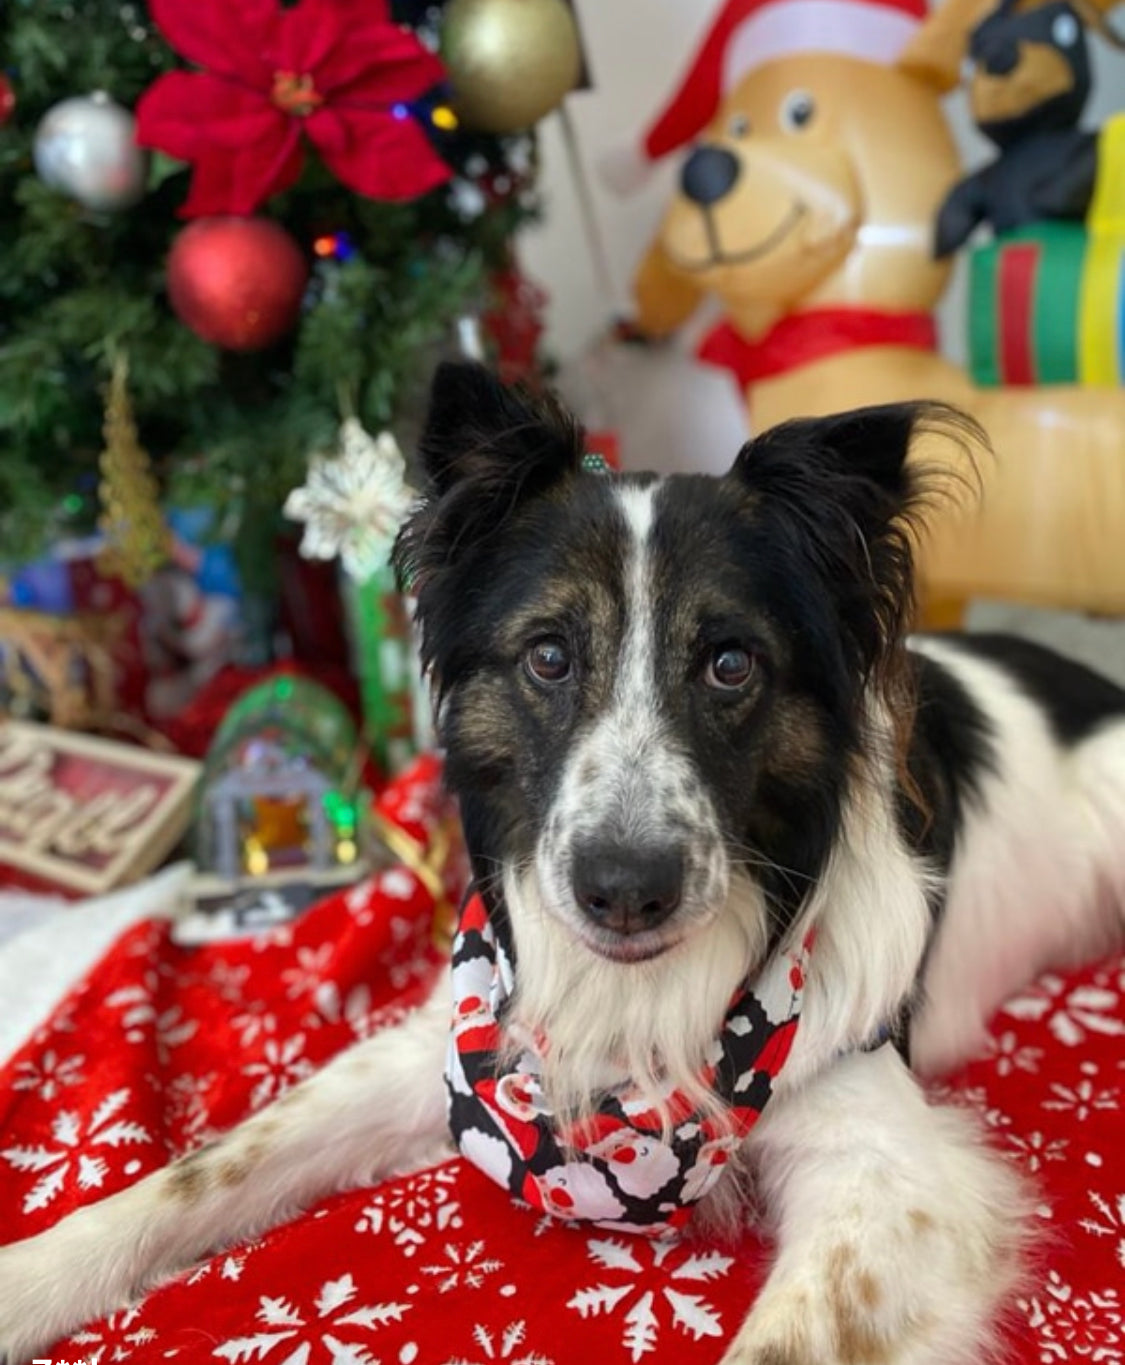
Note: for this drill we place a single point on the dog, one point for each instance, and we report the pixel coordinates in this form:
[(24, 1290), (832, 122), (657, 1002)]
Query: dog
[(693, 746), (1030, 81)]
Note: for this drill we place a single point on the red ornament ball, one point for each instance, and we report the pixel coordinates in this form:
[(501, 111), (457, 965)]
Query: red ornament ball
[(237, 282), (7, 99)]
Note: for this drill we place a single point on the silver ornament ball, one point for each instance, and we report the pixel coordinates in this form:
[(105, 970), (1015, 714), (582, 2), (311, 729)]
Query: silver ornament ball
[(85, 147)]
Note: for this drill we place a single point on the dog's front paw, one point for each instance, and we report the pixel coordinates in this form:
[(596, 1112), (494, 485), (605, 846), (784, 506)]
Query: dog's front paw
[(922, 1291), (839, 1313)]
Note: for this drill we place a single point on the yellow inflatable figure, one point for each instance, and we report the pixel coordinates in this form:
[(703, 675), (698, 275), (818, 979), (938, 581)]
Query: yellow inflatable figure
[(807, 205)]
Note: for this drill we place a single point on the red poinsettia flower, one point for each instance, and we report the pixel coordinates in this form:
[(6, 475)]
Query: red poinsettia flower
[(337, 72)]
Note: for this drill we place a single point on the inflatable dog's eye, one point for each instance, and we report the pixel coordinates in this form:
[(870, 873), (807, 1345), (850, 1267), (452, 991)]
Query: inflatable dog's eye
[(1064, 31), (739, 126), (797, 111)]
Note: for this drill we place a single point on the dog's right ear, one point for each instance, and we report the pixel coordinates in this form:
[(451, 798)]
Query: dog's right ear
[(481, 430), (485, 449)]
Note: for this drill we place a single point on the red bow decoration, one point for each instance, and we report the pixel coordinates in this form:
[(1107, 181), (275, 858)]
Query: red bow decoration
[(337, 72)]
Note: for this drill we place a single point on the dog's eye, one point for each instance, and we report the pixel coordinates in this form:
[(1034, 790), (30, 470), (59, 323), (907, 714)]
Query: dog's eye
[(729, 668), (1064, 30), (548, 660), (797, 111), (739, 126)]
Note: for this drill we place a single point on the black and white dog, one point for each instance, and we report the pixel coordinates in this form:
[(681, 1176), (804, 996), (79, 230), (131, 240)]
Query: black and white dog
[(685, 731)]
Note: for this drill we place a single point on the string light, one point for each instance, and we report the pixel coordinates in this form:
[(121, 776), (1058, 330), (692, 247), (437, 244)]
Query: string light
[(257, 859), (334, 246), (444, 118)]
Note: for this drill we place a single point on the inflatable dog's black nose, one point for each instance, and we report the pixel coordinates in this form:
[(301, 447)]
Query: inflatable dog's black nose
[(999, 55), (708, 174), (627, 890)]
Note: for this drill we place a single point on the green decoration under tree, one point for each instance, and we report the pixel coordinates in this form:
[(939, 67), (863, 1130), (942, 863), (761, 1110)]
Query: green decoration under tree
[(228, 430)]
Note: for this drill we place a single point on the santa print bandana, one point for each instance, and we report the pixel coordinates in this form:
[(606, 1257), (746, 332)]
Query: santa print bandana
[(614, 1169)]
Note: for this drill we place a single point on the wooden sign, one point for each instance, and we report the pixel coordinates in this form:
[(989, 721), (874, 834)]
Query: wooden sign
[(88, 814)]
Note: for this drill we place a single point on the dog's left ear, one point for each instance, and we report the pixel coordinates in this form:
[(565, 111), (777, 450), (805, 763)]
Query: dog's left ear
[(851, 495)]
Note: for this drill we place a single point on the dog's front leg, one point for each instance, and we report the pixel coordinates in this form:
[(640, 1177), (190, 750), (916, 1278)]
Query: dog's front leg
[(898, 1233), (375, 1109)]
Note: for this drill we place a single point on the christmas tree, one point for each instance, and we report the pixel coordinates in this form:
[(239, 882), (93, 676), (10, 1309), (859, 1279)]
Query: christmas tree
[(369, 218)]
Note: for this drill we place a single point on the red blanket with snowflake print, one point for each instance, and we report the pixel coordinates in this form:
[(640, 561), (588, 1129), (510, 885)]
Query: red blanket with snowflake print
[(163, 1046)]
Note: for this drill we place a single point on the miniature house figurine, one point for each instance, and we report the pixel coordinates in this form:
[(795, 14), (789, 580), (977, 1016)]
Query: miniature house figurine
[(281, 788)]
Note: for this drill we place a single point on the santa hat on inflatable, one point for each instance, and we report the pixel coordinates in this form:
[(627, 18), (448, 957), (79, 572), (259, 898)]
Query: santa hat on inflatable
[(748, 33)]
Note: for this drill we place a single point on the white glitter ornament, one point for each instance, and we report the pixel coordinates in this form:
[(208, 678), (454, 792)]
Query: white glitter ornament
[(353, 501), (85, 147)]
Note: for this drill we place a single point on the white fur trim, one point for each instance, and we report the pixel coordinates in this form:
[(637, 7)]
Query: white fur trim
[(624, 168), (850, 28)]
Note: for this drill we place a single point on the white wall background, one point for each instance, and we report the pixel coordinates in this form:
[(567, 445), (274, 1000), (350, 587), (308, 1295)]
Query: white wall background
[(673, 414)]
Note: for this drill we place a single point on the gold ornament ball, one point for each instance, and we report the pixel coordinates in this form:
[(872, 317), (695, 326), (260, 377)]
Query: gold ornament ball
[(510, 62)]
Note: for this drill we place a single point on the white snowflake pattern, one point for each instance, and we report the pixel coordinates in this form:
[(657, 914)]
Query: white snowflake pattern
[(185, 1101), (502, 1347), (408, 958), (1083, 1098), (334, 1323), (359, 901), (1072, 1015), (412, 1211), (1075, 1326), (228, 980), (464, 1267), (281, 1067), (1011, 1055), (644, 1311), (1033, 1150), (1110, 1223), (309, 973), (254, 1022), (54, 1165), (280, 936), (228, 1266), (115, 1338), (50, 1074), (974, 1097), (170, 1028), (354, 1009)]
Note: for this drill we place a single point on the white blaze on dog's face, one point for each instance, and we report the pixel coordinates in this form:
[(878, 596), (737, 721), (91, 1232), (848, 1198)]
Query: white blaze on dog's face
[(631, 856)]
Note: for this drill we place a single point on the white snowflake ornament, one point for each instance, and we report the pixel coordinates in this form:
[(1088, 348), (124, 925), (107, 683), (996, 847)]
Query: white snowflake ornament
[(353, 501)]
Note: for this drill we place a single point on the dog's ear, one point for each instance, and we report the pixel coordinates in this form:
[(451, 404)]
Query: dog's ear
[(851, 497), (485, 450), (482, 430)]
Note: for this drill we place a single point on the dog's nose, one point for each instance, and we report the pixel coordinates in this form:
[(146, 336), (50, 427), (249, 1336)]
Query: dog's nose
[(627, 890), (999, 57), (708, 174)]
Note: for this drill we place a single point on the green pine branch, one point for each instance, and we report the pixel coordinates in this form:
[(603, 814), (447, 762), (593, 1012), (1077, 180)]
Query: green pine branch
[(231, 431)]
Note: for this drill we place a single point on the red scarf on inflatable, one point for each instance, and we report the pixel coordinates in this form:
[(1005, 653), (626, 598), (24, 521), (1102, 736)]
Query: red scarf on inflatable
[(802, 338)]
